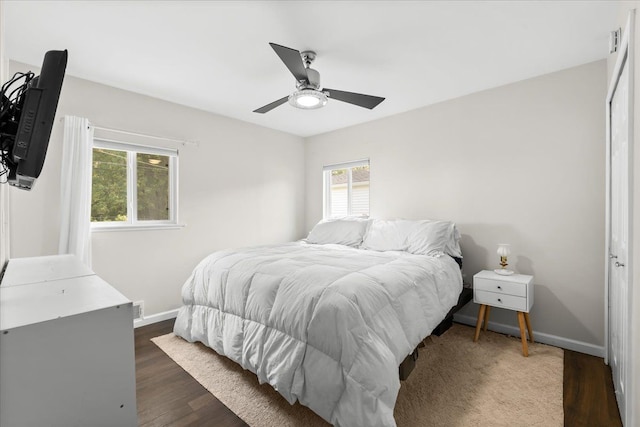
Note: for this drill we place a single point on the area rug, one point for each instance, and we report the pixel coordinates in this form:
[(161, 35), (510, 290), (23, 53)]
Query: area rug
[(456, 382)]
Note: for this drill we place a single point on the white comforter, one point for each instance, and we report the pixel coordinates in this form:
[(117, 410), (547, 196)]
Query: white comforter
[(327, 325)]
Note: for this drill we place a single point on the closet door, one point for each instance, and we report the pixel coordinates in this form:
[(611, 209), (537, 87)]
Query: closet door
[(619, 146), (618, 245)]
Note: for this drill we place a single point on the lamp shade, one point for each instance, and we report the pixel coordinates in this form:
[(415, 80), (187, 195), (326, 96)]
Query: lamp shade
[(504, 249)]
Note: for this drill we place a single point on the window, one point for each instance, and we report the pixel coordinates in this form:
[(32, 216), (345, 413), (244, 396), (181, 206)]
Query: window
[(133, 186), (346, 189)]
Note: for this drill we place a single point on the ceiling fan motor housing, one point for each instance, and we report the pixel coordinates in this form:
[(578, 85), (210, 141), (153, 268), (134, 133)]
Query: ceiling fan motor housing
[(313, 82)]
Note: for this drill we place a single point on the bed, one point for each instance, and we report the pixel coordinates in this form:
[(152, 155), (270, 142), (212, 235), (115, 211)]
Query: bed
[(327, 321)]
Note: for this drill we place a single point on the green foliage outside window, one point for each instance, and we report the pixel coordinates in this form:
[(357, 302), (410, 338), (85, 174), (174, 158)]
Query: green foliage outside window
[(109, 186), (153, 187)]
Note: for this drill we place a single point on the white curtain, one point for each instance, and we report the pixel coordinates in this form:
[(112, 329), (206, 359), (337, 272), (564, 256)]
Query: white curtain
[(77, 155)]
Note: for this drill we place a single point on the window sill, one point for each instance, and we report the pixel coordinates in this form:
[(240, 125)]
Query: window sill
[(137, 227)]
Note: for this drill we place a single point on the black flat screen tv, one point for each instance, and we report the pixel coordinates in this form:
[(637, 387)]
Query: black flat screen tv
[(29, 105)]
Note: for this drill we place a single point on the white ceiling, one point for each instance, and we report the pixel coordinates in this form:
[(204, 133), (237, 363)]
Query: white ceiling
[(215, 56)]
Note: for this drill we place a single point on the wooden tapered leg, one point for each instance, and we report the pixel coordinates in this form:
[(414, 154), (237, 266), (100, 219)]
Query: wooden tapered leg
[(486, 318), (529, 328), (523, 336), (479, 324)]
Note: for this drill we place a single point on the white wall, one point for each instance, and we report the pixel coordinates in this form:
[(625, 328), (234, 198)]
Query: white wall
[(242, 185), (520, 164)]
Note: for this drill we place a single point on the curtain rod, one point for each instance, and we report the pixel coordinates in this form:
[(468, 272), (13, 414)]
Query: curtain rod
[(127, 132), (162, 138)]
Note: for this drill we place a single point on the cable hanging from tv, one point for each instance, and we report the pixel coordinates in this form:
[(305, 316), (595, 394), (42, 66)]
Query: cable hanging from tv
[(10, 110), (28, 105)]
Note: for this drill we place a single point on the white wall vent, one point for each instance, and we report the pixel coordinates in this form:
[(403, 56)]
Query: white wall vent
[(138, 310), (614, 40)]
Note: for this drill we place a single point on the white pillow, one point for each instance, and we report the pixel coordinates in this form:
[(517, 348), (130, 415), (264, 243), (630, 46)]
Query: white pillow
[(433, 238), (387, 235), (342, 231)]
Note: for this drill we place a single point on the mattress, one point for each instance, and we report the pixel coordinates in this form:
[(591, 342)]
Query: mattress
[(325, 325)]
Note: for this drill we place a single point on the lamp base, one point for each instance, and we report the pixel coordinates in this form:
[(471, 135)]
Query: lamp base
[(503, 272)]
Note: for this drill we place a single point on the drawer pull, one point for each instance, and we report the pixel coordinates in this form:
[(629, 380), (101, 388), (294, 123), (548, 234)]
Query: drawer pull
[(500, 287), (499, 300)]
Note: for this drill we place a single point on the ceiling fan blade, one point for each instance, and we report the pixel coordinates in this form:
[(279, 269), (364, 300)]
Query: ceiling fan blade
[(359, 99), (292, 60), (271, 106)]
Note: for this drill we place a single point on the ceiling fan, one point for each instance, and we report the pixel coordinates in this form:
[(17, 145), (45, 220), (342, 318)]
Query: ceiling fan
[(308, 94)]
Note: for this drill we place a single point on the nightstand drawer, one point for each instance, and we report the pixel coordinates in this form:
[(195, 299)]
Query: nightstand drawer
[(499, 286), (500, 300)]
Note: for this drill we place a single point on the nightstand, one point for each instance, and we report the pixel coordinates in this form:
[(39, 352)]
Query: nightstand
[(513, 292)]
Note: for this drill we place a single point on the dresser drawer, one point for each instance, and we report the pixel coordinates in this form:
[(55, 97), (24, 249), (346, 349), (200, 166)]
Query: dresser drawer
[(500, 300), (498, 286)]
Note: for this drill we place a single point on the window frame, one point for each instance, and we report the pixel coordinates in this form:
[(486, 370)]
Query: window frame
[(326, 183), (132, 222)]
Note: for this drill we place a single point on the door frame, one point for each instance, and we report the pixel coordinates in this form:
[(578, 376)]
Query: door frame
[(625, 57)]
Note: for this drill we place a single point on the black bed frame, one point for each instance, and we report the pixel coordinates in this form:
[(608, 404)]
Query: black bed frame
[(409, 362)]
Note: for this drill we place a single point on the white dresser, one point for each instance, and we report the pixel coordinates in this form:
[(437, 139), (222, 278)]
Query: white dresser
[(66, 347), (514, 292)]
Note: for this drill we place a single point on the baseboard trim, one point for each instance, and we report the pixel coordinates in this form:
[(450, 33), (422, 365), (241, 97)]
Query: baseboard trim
[(554, 340), (155, 318)]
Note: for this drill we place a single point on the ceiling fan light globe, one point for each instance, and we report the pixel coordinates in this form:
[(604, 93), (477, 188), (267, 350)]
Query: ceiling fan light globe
[(307, 99)]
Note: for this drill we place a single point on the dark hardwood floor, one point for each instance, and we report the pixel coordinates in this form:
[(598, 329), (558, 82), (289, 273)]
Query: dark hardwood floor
[(589, 399), (168, 396)]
